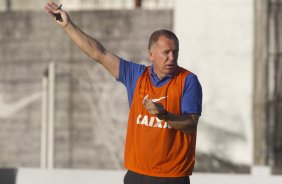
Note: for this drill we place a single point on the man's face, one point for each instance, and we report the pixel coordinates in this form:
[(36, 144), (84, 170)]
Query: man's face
[(164, 55)]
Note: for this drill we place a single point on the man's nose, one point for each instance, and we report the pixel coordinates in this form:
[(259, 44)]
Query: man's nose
[(171, 55)]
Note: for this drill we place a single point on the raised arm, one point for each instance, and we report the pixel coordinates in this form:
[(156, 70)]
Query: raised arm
[(89, 45)]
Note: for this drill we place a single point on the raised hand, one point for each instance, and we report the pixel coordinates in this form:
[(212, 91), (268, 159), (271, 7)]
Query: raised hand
[(55, 11)]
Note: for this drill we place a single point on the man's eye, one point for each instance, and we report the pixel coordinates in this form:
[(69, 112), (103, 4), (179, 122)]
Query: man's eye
[(165, 53)]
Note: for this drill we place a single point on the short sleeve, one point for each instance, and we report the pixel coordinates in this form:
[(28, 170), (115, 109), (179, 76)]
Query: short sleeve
[(129, 72), (191, 102)]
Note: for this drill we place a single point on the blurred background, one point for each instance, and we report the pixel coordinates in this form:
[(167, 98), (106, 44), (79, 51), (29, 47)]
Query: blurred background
[(59, 109)]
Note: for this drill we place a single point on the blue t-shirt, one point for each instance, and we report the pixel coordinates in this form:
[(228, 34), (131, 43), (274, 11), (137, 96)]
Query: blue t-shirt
[(191, 101)]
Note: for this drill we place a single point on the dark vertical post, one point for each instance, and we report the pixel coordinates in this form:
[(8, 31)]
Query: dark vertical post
[(260, 86), (138, 3), (275, 92), (8, 5)]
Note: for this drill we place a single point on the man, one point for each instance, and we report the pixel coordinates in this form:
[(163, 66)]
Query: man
[(165, 104)]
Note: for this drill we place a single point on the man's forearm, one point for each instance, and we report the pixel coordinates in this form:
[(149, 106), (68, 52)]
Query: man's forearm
[(87, 44), (184, 123)]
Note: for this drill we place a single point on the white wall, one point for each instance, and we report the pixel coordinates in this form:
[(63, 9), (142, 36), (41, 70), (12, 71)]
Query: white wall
[(37, 176), (216, 42), (24, 5)]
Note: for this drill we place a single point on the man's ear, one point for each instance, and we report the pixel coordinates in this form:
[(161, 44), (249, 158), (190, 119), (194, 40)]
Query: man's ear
[(150, 54)]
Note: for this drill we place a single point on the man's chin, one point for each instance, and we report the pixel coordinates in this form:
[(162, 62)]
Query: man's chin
[(170, 70)]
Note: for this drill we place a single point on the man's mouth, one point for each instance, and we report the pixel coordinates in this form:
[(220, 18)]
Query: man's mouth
[(170, 66)]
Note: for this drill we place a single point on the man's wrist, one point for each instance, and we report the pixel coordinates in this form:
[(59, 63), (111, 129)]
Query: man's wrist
[(68, 26), (163, 115)]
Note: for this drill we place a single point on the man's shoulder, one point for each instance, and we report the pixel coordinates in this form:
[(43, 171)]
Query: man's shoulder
[(130, 71), (132, 64), (184, 72), (189, 73)]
